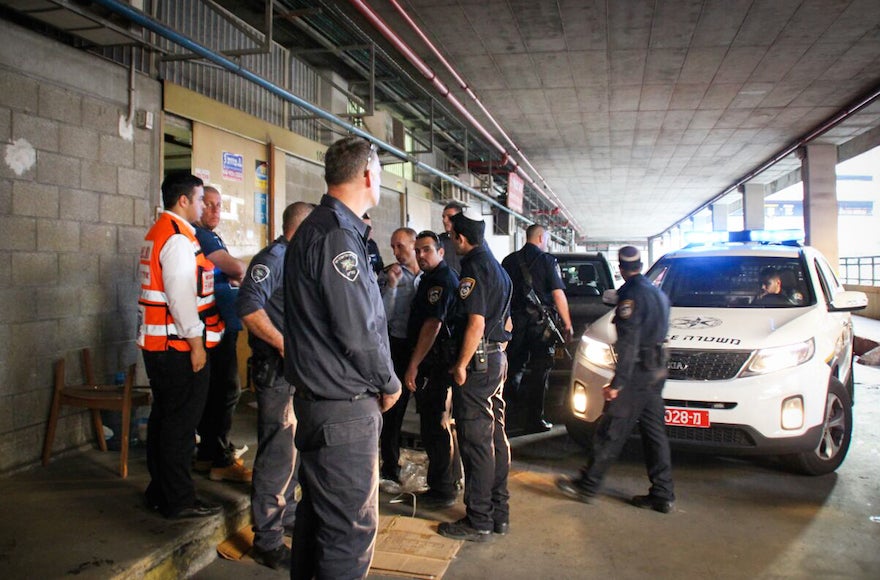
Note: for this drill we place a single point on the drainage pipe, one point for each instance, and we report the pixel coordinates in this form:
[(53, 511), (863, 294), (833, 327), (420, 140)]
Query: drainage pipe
[(145, 21)]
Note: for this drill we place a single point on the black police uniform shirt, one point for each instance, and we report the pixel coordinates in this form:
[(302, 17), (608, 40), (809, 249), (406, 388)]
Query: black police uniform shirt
[(224, 293), (453, 260), (484, 288), (334, 322), (545, 276), (434, 299), (642, 321), (263, 289), (375, 257)]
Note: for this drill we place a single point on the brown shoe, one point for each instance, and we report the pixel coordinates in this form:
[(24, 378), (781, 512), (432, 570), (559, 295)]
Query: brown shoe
[(232, 472), (205, 465)]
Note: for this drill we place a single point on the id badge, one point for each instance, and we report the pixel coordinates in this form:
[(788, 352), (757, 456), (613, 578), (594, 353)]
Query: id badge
[(207, 282)]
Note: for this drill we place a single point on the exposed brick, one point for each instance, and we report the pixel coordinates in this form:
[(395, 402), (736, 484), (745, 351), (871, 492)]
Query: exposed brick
[(5, 266), (18, 92), (120, 326), (5, 125), (36, 338), (60, 104), (79, 331), (39, 132), (101, 116), (19, 233), (78, 269), (31, 408), (143, 156), (119, 268), (6, 408), (97, 299), (58, 235), (77, 204), (98, 239), (79, 142), (58, 169), (17, 305), (98, 177), (134, 183), (34, 269), (57, 302), (116, 209), (116, 151), (144, 214), (5, 337), (5, 197), (130, 240), (34, 199)]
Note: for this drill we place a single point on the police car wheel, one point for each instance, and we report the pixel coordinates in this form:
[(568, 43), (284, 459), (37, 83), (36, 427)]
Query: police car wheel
[(836, 435), (581, 432)]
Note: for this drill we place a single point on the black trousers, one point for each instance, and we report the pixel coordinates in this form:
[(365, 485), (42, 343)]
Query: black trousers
[(525, 393), (223, 395), (336, 519), (178, 400), (435, 427), (392, 420), (478, 408), (643, 403)]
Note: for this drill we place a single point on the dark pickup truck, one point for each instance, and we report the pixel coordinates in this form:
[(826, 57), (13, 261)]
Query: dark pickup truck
[(586, 277)]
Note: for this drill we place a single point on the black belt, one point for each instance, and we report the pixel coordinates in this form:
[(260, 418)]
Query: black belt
[(307, 395), (494, 346)]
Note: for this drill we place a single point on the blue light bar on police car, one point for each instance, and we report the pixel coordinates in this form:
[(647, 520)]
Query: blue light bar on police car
[(761, 236)]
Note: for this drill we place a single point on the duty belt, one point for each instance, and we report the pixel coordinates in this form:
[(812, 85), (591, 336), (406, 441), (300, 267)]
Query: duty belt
[(494, 346), (307, 395)]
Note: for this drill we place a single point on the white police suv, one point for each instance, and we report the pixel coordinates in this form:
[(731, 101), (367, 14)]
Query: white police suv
[(760, 353)]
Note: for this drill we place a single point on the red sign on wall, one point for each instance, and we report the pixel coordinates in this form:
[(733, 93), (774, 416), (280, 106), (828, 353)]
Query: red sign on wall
[(515, 192)]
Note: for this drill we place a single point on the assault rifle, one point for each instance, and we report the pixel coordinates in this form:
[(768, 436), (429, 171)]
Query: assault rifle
[(548, 319)]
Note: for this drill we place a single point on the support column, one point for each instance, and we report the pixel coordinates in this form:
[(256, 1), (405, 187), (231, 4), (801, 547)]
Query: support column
[(818, 165), (753, 206), (720, 211)]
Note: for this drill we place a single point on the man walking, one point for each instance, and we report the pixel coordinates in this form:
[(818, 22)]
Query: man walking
[(635, 394), (337, 355), (261, 307)]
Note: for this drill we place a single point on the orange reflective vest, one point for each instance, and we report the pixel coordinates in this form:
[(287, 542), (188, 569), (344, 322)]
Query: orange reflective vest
[(156, 328)]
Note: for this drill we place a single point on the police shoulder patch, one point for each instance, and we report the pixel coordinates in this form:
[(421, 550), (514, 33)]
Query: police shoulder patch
[(625, 308), (260, 272), (346, 265), (465, 287), (434, 294)]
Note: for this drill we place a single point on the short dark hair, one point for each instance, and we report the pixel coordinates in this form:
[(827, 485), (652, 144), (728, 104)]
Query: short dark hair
[(429, 234), (456, 205), (346, 159), (530, 231), (472, 230), (769, 273), (295, 213), (178, 183)]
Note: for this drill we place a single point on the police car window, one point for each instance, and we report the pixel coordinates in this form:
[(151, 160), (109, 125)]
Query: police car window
[(582, 278), (827, 279), (730, 281)]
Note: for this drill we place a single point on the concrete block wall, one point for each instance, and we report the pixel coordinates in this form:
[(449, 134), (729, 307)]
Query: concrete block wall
[(71, 226)]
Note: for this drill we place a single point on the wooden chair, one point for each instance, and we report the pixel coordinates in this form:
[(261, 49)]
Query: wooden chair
[(96, 398)]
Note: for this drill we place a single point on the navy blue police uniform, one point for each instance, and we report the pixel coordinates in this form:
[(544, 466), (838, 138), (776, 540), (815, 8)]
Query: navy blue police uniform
[(435, 298), (525, 395), (453, 260), (375, 257), (337, 354), (642, 321), (273, 500), (477, 405), (224, 390)]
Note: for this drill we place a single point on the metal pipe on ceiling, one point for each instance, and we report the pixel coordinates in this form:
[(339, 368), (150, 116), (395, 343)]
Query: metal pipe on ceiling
[(549, 194), (432, 77), (142, 19)]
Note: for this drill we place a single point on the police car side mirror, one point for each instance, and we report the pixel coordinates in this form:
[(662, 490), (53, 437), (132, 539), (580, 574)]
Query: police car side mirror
[(609, 297), (848, 301)]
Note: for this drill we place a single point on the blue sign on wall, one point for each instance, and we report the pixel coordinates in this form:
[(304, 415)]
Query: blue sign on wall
[(261, 208)]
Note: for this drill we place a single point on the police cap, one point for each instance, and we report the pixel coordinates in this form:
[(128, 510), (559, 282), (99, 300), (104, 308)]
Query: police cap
[(471, 229), (629, 258)]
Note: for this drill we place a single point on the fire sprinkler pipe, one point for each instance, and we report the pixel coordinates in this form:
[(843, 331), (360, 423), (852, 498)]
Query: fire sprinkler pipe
[(431, 76), (466, 87), (145, 21)]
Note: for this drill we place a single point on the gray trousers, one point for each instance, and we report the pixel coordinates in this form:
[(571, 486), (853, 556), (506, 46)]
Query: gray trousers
[(273, 502)]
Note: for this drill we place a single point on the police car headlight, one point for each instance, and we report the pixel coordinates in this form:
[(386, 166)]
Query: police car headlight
[(579, 398), (769, 360), (595, 352)]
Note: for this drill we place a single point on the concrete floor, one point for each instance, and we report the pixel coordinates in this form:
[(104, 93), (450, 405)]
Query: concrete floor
[(735, 518)]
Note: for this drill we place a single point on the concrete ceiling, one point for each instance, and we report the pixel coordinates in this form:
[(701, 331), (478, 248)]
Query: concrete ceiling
[(637, 112)]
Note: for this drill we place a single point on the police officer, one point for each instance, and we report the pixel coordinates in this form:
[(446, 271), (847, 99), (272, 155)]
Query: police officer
[(337, 355), (373, 248), (483, 327), (453, 260), (532, 268), (426, 374), (261, 308), (635, 393)]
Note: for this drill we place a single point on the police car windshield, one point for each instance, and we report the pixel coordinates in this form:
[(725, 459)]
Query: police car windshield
[(732, 281)]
